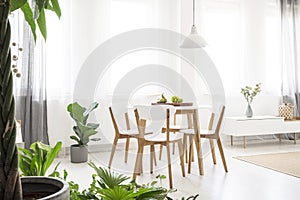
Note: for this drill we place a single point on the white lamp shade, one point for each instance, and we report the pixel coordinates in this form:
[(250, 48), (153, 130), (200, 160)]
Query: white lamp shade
[(193, 40)]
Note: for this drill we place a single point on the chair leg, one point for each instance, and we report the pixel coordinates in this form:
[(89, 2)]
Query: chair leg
[(169, 165), (222, 154), (199, 155), (191, 140), (126, 149), (181, 154), (160, 151), (185, 148), (191, 143), (151, 158), (212, 148), (154, 156), (173, 151), (138, 161), (113, 149)]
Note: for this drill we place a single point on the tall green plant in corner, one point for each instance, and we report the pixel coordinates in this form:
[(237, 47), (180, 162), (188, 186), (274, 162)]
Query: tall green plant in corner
[(10, 185)]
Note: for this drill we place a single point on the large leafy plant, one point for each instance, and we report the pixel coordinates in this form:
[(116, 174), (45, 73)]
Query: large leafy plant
[(10, 184), (83, 129), (37, 160), (34, 14)]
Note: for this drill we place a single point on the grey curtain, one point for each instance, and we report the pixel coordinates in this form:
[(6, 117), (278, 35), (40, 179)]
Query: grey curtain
[(31, 101), (290, 29)]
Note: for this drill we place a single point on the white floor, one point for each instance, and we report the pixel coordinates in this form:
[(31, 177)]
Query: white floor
[(243, 181)]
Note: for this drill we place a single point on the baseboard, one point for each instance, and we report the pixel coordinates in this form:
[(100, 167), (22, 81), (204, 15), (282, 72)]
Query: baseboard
[(94, 148)]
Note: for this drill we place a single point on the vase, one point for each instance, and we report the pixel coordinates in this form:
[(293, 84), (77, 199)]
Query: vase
[(249, 112)]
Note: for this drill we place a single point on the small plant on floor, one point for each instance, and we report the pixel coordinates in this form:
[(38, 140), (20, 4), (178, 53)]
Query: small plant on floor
[(108, 185), (161, 177), (37, 160), (83, 129)]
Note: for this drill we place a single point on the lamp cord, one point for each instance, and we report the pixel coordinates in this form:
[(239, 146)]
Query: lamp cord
[(193, 12)]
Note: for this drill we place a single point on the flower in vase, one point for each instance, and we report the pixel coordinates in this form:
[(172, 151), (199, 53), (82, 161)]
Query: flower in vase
[(250, 92)]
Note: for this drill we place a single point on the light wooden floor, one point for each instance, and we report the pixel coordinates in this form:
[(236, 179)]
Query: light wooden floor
[(243, 181)]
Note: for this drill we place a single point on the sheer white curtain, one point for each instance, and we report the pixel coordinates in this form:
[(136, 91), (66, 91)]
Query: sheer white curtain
[(244, 43)]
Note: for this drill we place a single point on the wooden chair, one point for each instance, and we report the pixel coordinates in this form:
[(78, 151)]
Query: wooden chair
[(211, 135), (122, 134), (159, 139)]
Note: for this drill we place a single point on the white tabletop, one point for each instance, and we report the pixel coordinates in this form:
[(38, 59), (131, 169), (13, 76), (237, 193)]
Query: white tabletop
[(261, 117)]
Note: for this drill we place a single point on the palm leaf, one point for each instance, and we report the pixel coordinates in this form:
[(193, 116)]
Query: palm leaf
[(117, 193), (108, 179)]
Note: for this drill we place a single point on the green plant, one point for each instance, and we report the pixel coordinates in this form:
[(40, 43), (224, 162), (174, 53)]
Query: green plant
[(161, 177), (250, 92), (176, 99), (10, 184), (37, 160), (108, 185), (83, 129)]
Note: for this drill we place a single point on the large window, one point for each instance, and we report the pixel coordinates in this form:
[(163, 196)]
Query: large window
[(244, 41)]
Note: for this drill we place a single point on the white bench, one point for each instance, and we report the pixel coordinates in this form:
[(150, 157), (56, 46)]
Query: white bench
[(259, 125)]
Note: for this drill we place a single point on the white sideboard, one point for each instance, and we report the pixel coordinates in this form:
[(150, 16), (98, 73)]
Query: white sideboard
[(259, 125)]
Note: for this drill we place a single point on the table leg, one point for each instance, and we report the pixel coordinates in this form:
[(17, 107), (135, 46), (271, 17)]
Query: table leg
[(198, 142), (231, 140), (279, 137), (244, 142), (295, 139)]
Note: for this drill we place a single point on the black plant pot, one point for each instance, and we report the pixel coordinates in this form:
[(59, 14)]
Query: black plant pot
[(44, 188), (79, 153)]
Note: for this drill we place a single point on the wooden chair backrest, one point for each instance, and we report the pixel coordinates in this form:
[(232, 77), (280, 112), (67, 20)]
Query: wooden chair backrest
[(115, 124), (211, 121), (220, 120), (141, 123)]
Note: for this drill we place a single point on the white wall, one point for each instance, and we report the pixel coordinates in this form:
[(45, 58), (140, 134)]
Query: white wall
[(84, 27)]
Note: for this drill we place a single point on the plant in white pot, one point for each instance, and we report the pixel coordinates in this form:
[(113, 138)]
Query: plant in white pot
[(82, 129)]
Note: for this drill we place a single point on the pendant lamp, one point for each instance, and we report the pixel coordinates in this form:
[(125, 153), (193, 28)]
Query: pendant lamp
[(193, 40)]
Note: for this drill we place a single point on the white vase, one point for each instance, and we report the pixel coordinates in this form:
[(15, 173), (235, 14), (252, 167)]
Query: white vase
[(249, 112)]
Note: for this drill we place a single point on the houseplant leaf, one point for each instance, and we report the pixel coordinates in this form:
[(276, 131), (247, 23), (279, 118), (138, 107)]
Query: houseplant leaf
[(76, 112), (28, 15), (54, 6), (93, 125), (51, 155), (16, 4), (107, 178), (87, 111), (41, 21), (117, 193)]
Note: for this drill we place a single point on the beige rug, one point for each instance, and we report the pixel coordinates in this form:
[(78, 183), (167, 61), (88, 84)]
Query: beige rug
[(287, 163)]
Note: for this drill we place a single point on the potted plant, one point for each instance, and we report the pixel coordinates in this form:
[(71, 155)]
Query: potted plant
[(82, 129), (249, 93), (33, 165), (10, 184)]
